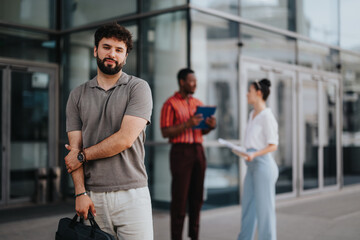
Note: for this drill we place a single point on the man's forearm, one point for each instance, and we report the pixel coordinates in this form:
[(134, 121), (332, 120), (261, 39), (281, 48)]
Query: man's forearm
[(123, 139), (78, 179)]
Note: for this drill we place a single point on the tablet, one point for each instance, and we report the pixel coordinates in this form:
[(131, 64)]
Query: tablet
[(206, 111)]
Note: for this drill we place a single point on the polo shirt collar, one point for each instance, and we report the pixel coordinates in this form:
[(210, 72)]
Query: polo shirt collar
[(124, 79)]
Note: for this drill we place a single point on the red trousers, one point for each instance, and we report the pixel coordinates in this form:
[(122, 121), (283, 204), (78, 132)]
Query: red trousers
[(187, 164)]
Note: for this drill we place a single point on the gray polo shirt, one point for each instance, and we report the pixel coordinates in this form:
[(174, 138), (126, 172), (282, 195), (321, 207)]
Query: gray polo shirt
[(98, 114)]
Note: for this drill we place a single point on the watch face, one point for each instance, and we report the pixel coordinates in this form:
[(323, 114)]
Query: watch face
[(80, 157)]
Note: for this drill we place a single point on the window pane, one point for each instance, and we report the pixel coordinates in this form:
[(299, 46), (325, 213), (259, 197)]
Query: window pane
[(29, 131), (329, 115), (265, 45), (83, 12), (221, 178), (151, 5), (311, 136), (319, 20), (39, 13), (351, 118), (281, 103), (1, 161), (27, 45), (279, 14), (229, 6), (317, 57), (349, 15), (161, 59), (214, 58)]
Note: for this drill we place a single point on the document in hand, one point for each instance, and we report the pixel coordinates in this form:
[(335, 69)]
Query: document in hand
[(232, 146), (206, 111)]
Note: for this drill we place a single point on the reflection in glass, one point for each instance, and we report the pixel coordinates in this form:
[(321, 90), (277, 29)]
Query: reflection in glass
[(317, 57), (1, 162), (162, 57), (29, 130), (228, 6), (349, 15), (310, 132), (330, 154), (321, 25), (39, 13), (151, 5), (281, 103), (351, 118), (279, 14), (214, 57), (27, 45), (266, 45), (77, 13), (222, 178)]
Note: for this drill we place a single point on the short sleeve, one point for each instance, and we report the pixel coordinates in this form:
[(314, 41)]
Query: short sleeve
[(271, 130), (73, 120), (140, 101), (167, 115)]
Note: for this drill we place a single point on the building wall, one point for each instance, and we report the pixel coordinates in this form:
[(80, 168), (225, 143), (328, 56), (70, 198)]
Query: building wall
[(205, 37)]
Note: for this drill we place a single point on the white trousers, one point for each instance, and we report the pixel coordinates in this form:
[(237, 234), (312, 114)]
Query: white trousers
[(125, 214)]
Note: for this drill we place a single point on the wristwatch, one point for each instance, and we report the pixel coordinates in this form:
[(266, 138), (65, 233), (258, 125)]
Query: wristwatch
[(81, 157)]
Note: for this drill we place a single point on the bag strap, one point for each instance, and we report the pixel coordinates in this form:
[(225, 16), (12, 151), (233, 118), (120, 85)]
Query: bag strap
[(92, 221)]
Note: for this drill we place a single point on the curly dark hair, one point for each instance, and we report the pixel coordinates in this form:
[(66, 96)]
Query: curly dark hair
[(114, 30)]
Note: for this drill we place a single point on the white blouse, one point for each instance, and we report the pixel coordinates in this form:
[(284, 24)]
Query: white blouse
[(261, 131)]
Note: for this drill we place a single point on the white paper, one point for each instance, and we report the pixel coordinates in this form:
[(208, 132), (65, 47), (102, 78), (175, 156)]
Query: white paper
[(232, 146)]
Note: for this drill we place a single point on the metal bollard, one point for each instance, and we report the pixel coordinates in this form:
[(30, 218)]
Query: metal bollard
[(41, 185)]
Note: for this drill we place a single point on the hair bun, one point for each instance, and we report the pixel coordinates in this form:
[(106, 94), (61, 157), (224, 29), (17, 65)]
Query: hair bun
[(265, 82)]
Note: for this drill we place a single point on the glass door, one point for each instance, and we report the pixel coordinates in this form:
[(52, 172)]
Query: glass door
[(282, 103), (28, 132), (319, 132), (2, 180), (309, 131), (330, 114)]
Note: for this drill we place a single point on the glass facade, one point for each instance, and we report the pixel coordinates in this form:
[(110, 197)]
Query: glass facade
[(26, 45), (322, 26), (163, 53), (277, 13), (228, 6), (350, 34), (213, 43), (83, 12), (39, 13), (214, 57), (152, 5), (266, 45), (351, 118)]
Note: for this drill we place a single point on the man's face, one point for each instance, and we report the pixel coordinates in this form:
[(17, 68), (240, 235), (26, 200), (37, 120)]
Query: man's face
[(189, 85), (110, 55)]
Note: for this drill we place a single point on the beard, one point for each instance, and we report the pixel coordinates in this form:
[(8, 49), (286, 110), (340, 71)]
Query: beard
[(108, 69)]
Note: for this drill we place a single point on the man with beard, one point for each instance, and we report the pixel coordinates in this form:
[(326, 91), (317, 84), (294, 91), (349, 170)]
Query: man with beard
[(187, 158), (106, 119)]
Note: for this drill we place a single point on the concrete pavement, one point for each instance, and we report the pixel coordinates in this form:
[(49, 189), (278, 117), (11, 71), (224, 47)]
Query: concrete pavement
[(329, 215)]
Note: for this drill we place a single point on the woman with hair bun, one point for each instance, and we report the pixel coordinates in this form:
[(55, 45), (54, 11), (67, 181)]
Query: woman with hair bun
[(261, 138)]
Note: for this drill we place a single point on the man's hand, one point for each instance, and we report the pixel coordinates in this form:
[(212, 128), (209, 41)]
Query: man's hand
[(71, 161), (83, 204), (211, 122), (194, 120)]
